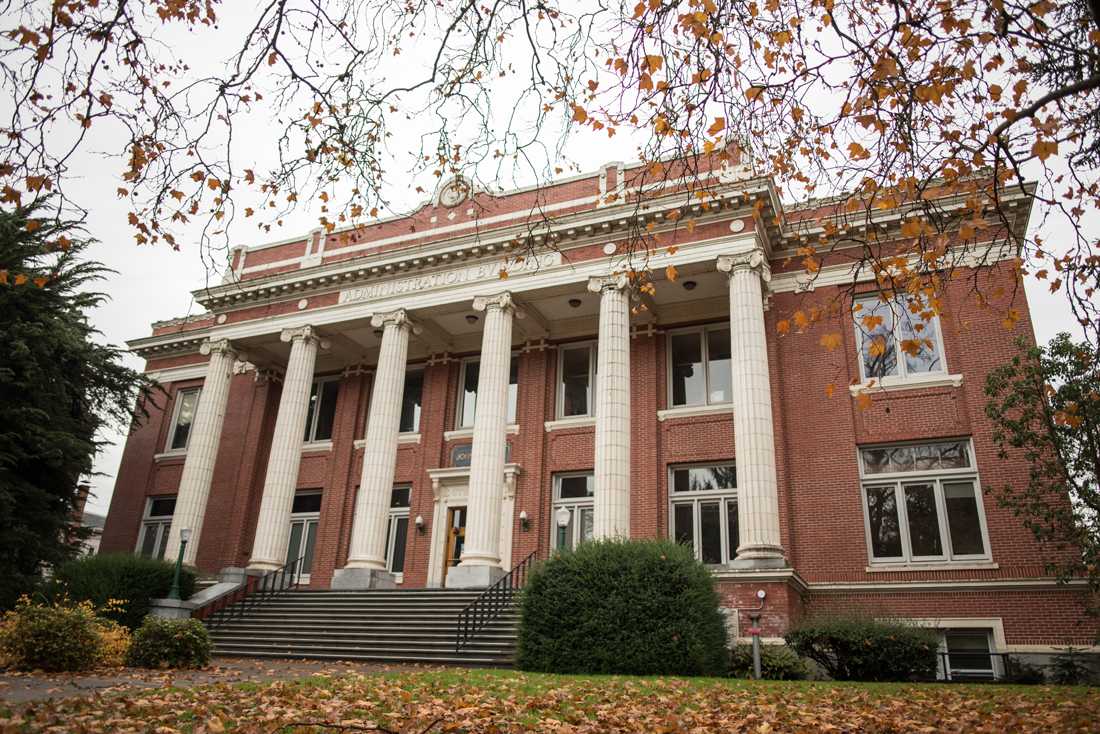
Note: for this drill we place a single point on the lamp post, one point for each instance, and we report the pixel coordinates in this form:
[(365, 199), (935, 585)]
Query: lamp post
[(562, 516), (185, 535)]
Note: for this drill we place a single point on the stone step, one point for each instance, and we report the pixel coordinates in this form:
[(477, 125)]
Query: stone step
[(422, 659), (428, 635)]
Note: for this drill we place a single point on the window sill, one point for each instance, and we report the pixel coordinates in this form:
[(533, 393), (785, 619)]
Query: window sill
[(580, 421), (511, 429), (934, 566), (688, 411), (178, 454), (891, 384), (401, 438), (316, 447)]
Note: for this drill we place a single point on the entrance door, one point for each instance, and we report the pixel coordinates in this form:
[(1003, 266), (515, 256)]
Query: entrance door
[(456, 538), (303, 537)]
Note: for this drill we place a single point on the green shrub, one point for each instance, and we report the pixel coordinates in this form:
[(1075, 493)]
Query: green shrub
[(1069, 668), (854, 648), (131, 580), (777, 662), (1018, 671), (170, 643), (56, 637), (640, 607)]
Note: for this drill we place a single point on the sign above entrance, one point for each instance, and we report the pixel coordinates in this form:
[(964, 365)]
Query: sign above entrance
[(489, 270)]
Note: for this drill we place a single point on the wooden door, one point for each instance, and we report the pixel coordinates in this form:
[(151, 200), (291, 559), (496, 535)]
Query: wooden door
[(456, 538)]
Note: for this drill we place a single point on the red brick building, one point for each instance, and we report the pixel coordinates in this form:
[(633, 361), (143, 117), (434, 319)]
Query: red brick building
[(600, 412)]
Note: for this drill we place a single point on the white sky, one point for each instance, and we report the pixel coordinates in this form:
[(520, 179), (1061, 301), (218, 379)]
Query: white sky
[(154, 282)]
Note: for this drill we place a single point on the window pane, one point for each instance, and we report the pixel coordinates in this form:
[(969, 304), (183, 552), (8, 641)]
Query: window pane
[(718, 366), (162, 507), (306, 502), (401, 532), (327, 414), (513, 389), (963, 521), (410, 402), (688, 382), (732, 528), (400, 496), (292, 551), (882, 516), (576, 487), (969, 651), (310, 412), (954, 455), (924, 524), (875, 460), (920, 341), (469, 393), (574, 381), (163, 530), (710, 527), (703, 478), (565, 535), (188, 401), (149, 539), (311, 542), (586, 523), (874, 322), (683, 524)]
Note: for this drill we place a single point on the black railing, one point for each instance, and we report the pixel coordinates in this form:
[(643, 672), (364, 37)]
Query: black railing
[(494, 600), (255, 590), (1014, 667)]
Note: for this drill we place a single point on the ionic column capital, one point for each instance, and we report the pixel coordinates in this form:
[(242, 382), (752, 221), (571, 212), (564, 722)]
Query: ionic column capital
[(399, 318), (218, 346), (501, 301), (601, 283), (754, 260), (302, 333)]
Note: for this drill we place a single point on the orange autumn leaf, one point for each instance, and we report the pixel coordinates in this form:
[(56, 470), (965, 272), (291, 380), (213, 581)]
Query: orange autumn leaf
[(830, 341), (718, 126), (671, 272)]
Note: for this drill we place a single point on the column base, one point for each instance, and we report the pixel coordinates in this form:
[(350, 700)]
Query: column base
[(473, 577), (752, 562), (359, 579)]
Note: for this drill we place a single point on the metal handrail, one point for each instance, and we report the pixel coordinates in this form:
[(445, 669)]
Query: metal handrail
[(488, 606), (253, 591)]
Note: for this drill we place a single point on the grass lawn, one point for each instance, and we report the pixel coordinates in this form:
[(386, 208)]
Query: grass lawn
[(504, 701)]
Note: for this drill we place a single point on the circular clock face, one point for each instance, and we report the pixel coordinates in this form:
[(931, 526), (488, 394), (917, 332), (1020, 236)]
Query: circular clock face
[(454, 193)]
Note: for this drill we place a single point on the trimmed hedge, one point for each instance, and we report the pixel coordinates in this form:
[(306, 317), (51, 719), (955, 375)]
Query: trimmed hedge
[(854, 648), (640, 607), (131, 580), (777, 662), (170, 643)]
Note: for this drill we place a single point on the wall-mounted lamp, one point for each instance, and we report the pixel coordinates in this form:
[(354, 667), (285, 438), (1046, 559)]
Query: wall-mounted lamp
[(471, 318), (419, 523), (524, 521)]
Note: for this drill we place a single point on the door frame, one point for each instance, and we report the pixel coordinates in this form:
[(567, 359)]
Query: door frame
[(305, 517), (448, 542)]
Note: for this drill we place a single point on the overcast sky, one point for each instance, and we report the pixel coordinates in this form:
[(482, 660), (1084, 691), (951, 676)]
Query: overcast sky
[(154, 282)]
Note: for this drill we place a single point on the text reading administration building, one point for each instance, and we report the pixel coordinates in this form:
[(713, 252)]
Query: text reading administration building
[(386, 406)]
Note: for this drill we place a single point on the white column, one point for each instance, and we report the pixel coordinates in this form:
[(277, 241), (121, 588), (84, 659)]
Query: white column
[(273, 525), (754, 439), (611, 504), (366, 566), (202, 449), (480, 563)]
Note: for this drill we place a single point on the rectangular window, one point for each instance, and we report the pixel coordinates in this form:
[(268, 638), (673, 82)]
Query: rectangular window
[(183, 415), (155, 524), (577, 370), (467, 396), (897, 338), (968, 654), (410, 401), (573, 495), (305, 516), (322, 409), (699, 366), (704, 510), (922, 503), (397, 530)]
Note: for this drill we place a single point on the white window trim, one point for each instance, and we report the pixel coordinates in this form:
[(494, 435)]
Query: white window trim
[(312, 442), (511, 429), (396, 513), (163, 522), (722, 496), (593, 356), (177, 404), (461, 397), (317, 447), (689, 411), (902, 378), (402, 438), (936, 477), (577, 421), (573, 503), (892, 383), (702, 330)]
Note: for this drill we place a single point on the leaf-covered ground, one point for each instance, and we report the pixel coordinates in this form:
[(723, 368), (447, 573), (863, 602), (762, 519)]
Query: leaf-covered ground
[(506, 701)]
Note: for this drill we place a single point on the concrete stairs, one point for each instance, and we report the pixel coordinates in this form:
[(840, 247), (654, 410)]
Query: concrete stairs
[(408, 626)]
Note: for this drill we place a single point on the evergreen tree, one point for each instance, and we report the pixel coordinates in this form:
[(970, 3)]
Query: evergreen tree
[(58, 388)]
